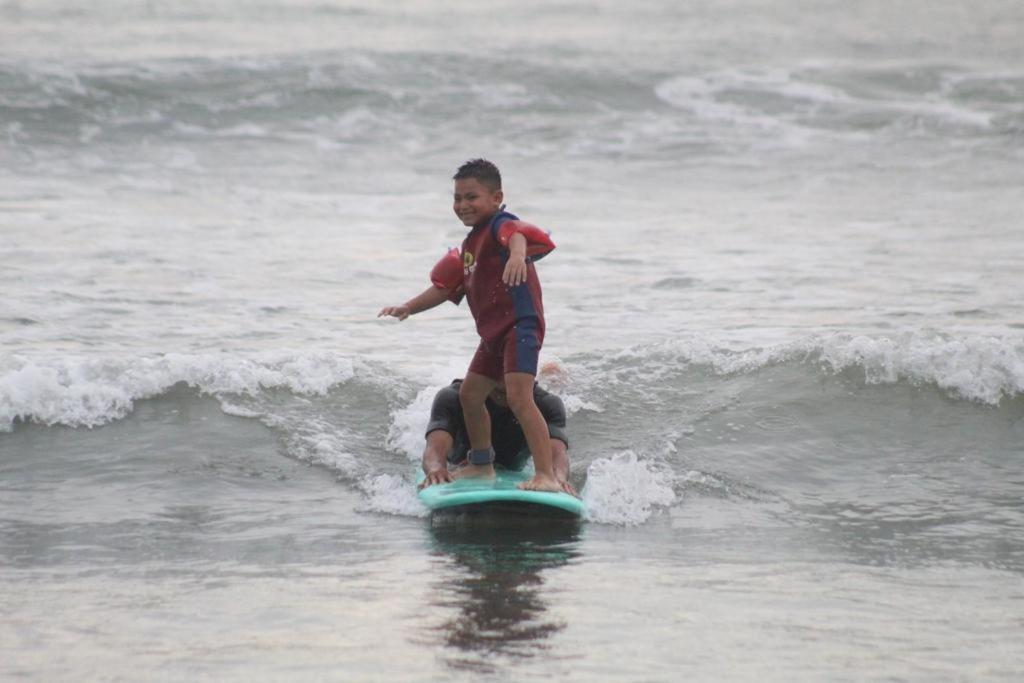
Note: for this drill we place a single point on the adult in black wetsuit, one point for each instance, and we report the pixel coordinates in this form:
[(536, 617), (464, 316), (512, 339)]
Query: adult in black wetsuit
[(444, 457)]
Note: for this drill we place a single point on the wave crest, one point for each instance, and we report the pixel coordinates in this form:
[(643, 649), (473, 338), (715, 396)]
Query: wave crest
[(85, 392), (975, 368), (624, 489)]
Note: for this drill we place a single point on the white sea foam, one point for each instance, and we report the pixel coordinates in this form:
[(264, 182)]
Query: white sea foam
[(557, 376), (698, 95), (574, 404), (985, 369), (244, 130), (681, 91), (712, 96), (977, 368), (392, 495), (235, 410), (405, 434), (320, 445), (625, 489), (88, 392)]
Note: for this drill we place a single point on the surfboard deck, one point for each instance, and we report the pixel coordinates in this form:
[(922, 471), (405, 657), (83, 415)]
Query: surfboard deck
[(500, 495)]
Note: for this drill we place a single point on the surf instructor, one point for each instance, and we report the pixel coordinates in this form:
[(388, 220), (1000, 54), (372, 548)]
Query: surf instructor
[(444, 458)]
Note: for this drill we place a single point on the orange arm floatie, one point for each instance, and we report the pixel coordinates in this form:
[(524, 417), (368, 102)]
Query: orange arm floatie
[(538, 242), (447, 274)]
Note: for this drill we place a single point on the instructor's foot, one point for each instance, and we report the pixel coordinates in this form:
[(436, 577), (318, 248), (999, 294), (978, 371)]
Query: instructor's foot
[(470, 471), (542, 482)]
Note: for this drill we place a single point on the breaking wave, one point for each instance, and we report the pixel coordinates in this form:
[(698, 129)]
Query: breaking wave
[(89, 392)]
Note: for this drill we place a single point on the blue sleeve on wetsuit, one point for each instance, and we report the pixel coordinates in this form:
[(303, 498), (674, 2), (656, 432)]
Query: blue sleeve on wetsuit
[(498, 220)]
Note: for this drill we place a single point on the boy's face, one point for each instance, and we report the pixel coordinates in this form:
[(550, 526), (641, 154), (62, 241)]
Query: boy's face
[(474, 202)]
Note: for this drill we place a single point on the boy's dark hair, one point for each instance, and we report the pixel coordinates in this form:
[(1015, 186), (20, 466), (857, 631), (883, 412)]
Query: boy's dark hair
[(481, 169)]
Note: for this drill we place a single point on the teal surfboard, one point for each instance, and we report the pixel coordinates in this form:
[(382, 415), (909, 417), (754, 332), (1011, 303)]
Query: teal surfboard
[(499, 494)]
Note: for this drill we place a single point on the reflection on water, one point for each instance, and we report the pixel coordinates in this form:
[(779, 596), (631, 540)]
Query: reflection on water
[(495, 585)]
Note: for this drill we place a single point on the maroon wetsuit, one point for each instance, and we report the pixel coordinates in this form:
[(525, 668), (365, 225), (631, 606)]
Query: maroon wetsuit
[(509, 320)]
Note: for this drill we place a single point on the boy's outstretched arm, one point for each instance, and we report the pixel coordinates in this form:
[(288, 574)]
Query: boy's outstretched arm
[(446, 278), (425, 300)]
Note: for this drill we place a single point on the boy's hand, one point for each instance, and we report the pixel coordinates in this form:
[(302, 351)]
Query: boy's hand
[(515, 270), (401, 312)]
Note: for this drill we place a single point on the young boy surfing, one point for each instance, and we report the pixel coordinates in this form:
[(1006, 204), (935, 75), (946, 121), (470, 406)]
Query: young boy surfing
[(494, 271), (447, 441)]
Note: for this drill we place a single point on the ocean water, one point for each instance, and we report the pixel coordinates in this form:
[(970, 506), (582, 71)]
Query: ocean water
[(786, 316)]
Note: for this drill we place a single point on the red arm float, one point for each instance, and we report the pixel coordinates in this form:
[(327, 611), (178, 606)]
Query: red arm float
[(447, 274), (538, 242)]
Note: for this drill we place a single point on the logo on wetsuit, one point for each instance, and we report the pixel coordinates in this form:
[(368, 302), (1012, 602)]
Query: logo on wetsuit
[(468, 263)]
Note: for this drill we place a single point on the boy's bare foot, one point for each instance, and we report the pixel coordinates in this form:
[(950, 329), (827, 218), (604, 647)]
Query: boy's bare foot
[(542, 482), (470, 471)]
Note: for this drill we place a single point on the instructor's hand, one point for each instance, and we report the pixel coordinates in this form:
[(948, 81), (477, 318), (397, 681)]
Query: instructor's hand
[(442, 476), (401, 312)]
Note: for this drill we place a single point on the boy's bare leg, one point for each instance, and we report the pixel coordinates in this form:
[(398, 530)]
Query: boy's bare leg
[(472, 395), (519, 387), (560, 464)]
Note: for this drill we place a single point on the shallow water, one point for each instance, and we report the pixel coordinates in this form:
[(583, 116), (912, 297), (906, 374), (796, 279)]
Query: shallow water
[(784, 314)]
